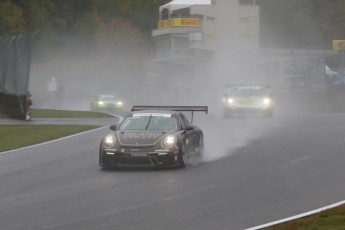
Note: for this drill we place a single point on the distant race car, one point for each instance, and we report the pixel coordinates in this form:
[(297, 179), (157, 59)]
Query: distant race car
[(106, 103), (248, 100), (153, 136)]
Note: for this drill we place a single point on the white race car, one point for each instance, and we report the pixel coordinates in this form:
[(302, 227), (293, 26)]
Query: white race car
[(248, 100)]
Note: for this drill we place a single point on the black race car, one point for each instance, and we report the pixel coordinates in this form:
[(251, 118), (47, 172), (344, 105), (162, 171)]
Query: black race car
[(153, 136)]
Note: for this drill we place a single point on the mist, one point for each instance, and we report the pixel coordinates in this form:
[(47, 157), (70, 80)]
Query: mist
[(127, 70), (81, 71)]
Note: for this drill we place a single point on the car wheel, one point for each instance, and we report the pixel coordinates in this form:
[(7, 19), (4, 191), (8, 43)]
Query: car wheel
[(183, 157), (201, 147), (101, 162), (199, 152), (103, 165)]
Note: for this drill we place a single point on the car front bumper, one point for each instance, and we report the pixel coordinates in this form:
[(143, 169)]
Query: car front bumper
[(249, 110), (138, 159)]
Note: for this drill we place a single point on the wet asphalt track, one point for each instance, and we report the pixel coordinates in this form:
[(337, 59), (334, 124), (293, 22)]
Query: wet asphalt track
[(255, 171)]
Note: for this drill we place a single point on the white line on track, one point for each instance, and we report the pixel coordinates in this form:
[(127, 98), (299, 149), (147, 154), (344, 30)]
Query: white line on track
[(297, 216)]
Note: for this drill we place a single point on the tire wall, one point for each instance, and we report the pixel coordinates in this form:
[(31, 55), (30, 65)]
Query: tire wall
[(13, 106)]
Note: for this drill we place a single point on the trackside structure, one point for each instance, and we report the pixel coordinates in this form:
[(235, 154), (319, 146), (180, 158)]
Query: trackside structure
[(15, 62)]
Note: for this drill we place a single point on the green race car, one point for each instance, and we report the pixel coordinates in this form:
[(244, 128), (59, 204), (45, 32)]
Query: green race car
[(106, 103), (248, 100)]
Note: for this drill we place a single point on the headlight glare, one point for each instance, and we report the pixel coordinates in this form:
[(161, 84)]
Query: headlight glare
[(231, 100), (100, 102), (267, 101), (119, 103), (169, 140), (109, 140)]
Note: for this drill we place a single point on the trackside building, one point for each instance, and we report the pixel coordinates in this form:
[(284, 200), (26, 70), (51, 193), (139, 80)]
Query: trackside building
[(189, 41)]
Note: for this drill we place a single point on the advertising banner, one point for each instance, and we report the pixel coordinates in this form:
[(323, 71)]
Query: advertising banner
[(338, 44), (179, 22)]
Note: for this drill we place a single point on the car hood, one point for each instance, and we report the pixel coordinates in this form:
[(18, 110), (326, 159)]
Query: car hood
[(140, 137), (249, 100), (109, 102)]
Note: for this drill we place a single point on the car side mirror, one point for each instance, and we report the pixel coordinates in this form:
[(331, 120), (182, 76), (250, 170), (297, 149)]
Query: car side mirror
[(188, 128), (112, 127)]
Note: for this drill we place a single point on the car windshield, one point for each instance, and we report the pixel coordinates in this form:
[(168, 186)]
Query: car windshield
[(107, 98), (149, 123), (249, 92)]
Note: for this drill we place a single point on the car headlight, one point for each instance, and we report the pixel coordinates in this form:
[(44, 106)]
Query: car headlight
[(119, 103), (100, 102), (231, 100), (109, 140), (169, 141), (267, 101)]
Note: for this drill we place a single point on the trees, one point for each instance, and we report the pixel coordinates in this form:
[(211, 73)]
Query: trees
[(301, 23), (82, 18), (289, 24), (330, 18), (11, 19)]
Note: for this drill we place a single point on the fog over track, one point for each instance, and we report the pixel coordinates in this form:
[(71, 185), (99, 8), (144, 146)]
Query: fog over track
[(256, 170)]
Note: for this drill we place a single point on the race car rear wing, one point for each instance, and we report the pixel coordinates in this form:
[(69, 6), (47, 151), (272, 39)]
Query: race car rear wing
[(173, 108)]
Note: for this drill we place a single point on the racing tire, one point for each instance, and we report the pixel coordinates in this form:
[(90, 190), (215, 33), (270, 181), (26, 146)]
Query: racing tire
[(183, 157), (197, 158), (201, 147), (104, 166), (101, 163)]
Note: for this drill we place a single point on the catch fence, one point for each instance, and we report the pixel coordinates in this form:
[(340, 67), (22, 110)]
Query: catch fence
[(15, 63)]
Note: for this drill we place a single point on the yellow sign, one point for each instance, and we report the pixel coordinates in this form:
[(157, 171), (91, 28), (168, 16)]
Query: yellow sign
[(181, 22), (338, 44)]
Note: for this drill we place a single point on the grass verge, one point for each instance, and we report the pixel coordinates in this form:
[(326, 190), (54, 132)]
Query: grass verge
[(332, 219), (49, 113), (54, 113), (17, 136)]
